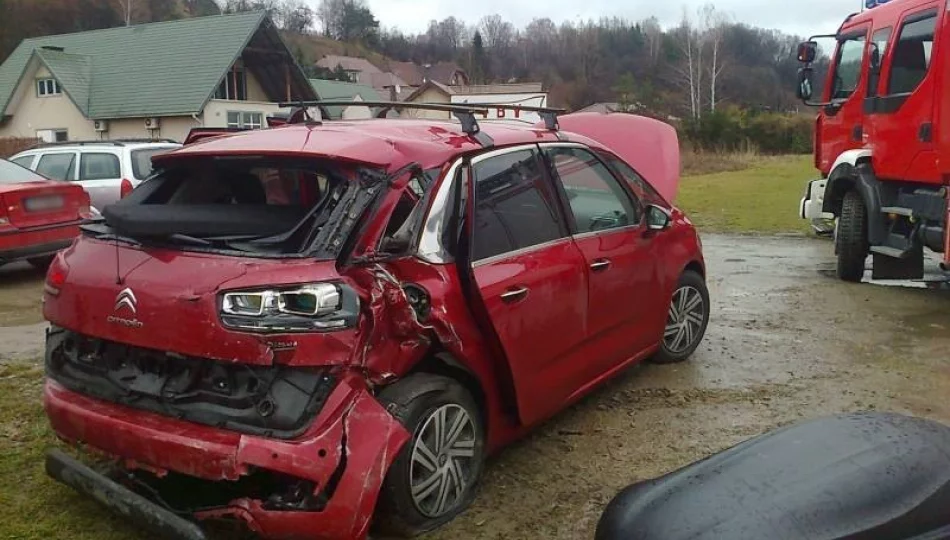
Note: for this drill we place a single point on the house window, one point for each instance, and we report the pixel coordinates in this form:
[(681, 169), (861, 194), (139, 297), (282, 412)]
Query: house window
[(234, 86), (245, 120), (47, 87)]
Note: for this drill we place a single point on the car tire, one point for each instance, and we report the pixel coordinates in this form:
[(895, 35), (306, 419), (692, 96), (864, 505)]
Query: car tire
[(411, 500), (686, 320), (41, 263), (851, 238)]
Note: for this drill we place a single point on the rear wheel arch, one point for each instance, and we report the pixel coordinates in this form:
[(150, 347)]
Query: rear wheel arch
[(440, 362)]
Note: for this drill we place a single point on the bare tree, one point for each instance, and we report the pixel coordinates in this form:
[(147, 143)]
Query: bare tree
[(330, 14), (497, 32), (653, 34), (689, 73), (714, 25)]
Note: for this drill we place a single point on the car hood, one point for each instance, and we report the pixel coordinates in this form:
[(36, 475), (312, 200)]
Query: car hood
[(649, 146)]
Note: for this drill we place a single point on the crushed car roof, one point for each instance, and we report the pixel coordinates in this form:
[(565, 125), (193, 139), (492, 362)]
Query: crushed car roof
[(649, 146), (385, 143)]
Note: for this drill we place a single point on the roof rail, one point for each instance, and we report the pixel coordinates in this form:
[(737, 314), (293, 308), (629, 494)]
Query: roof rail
[(465, 113), (111, 142)]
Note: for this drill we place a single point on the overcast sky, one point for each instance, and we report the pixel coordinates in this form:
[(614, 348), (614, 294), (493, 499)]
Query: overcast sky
[(791, 16)]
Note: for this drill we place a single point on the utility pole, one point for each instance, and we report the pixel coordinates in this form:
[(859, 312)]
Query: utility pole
[(128, 12)]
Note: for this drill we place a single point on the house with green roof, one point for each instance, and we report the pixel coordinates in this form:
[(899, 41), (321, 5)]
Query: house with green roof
[(345, 91), (156, 80)]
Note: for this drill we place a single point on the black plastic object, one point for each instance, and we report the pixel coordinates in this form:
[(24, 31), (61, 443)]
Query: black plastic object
[(119, 499), (202, 220), (874, 476)]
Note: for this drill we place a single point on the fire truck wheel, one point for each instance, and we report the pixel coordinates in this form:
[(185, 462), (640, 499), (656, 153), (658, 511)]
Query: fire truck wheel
[(851, 240)]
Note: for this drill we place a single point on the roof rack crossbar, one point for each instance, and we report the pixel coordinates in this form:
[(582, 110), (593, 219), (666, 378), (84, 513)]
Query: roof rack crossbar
[(548, 114), (464, 112)]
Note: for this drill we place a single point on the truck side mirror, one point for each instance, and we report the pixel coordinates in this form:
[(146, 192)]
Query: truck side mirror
[(875, 60), (807, 51), (804, 89)]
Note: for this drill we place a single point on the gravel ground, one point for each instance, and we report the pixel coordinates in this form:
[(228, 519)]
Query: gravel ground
[(786, 341)]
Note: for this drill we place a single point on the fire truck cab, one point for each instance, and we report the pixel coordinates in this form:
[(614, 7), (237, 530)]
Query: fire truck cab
[(882, 137)]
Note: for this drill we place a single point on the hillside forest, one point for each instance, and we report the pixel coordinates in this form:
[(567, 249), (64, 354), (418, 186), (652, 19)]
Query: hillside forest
[(723, 81)]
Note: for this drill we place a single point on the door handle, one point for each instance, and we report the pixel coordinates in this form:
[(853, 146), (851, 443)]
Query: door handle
[(514, 294), (602, 264)]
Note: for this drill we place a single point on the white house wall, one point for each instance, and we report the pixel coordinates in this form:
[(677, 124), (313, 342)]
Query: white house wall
[(526, 99), (33, 113), (430, 95)]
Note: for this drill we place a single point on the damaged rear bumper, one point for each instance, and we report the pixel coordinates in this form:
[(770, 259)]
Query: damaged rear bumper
[(342, 458), (120, 499)]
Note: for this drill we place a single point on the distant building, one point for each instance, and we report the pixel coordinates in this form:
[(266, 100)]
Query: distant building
[(447, 73), (526, 94), (151, 80), (359, 70), (344, 91)]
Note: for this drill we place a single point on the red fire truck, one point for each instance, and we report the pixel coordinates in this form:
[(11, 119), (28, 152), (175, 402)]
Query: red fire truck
[(882, 137)]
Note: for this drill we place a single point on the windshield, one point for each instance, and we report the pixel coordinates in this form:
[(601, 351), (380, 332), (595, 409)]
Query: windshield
[(258, 206), (11, 173), (142, 161)]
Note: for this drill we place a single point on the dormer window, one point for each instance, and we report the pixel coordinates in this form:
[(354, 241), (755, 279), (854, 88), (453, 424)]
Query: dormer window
[(47, 87), (234, 86)]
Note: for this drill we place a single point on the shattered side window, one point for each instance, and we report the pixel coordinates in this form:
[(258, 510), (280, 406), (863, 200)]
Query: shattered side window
[(405, 220)]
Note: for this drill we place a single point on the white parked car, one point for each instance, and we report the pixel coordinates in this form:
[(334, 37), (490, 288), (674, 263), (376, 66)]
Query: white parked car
[(107, 170)]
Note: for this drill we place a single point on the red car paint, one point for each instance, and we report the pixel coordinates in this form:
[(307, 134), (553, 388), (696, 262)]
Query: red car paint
[(528, 359), (35, 233)]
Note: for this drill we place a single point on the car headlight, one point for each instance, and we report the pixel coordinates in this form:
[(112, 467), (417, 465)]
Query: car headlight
[(317, 307)]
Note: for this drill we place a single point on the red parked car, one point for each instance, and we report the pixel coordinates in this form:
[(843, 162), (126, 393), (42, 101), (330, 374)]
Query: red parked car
[(38, 216), (319, 328)]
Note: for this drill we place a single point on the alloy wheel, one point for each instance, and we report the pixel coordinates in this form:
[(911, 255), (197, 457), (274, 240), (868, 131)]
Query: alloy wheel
[(684, 321), (443, 460)]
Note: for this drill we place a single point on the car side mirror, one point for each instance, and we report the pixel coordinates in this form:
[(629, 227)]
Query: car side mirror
[(807, 51), (658, 218), (804, 88)]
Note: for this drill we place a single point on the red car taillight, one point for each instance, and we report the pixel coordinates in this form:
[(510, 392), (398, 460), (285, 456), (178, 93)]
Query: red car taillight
[(56, 275), (85, 207), (125, 188)]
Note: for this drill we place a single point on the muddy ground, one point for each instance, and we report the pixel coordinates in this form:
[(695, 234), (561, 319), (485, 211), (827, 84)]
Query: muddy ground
[(786, 341)]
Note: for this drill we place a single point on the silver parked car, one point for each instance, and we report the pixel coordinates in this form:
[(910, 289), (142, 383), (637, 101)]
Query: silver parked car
[(107, 170)]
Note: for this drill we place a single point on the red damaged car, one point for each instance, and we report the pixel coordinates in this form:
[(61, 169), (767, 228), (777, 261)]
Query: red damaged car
[(38, 216), (317, 329)]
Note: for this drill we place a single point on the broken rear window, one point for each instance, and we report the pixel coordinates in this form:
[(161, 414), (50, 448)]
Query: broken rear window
[(256, 206)]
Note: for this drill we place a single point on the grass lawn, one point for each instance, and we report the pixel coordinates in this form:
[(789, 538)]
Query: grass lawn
[(31, 504), (762, 198)]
